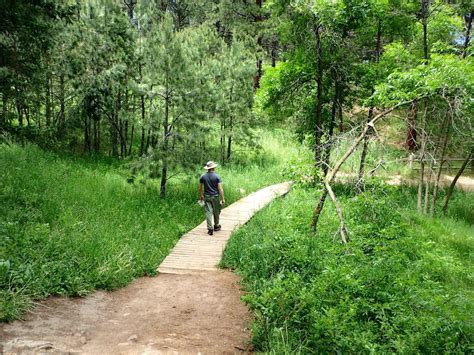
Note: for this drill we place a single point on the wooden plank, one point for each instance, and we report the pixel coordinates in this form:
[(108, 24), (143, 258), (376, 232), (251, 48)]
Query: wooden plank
[(198, 252)]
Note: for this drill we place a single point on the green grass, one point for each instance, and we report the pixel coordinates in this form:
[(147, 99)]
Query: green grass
[(70, 225), (403, 284)]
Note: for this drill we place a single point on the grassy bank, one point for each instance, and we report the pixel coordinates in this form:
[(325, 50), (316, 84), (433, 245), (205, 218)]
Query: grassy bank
[(404, 283), (71, 225)]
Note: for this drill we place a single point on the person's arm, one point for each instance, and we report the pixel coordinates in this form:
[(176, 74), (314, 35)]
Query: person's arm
[(221, 192), (201, 192)]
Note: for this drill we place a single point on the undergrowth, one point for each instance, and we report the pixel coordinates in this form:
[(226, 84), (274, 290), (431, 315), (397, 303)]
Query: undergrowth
[(403, 284), (69, 225)]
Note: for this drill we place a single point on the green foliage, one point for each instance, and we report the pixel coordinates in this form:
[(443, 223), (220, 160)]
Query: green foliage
[(445, 76), (302, 172), (403, 284)]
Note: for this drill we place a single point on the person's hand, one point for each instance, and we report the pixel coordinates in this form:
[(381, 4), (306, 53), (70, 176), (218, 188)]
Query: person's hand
[(222, 202), (201, 198)]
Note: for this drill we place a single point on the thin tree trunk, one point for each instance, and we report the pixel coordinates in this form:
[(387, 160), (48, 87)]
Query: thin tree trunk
[(131, 140), (363, 156), (424, 20), (62, 106), (96, 127), (87, 138), (142, 143), (339, 112), (113, 136), (164, 170), (365, 148), (48, 100), (19, 110), (411, 140), (434, 197), (468, 35), (273, 57), (4, 120), (332, 123), (124, 138), (431, 170), (422, 161), (455, 180), (27, 115), (319, 101), (229, 140), (147, 145), (258, 75)]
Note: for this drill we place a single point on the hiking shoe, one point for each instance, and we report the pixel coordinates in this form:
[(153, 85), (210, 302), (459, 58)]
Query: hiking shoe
[(210, 232), (217, 228)]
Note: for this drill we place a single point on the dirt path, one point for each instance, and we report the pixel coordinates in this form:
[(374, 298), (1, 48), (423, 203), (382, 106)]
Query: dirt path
[(464, 183), (199, 313), (184, 310)]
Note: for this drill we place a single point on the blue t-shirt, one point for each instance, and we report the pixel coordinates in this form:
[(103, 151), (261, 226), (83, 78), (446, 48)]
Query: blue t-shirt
[(210, 181)]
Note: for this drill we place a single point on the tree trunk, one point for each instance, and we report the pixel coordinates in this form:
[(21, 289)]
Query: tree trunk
[(87, 137), (411, 141), (258, 75), (27, 115), (96, 135), (365, 148), (434, 197), (428, 185), (19, 110), (468, 34), (339, 112), (164, 169), (4, 120), (319, 101), (147, 145), (222, 141), (113, 137), (431, 170), (422, 161), (453, 183), (319, 208), (229, 139), (48, 99), (62, 107), (363, 156), (123, 138), (131, 140), (142, 143), (424, 21), (332, 123)]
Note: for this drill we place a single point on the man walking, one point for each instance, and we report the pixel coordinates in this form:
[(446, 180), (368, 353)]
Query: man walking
[(210, 189)]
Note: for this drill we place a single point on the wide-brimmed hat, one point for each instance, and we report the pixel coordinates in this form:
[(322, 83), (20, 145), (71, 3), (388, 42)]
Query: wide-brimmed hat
[(210, 165)]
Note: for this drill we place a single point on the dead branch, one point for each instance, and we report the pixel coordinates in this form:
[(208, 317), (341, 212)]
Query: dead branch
[(333, 172)]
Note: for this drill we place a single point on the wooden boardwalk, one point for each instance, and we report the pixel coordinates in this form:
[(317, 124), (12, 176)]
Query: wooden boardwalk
[(197, 251)]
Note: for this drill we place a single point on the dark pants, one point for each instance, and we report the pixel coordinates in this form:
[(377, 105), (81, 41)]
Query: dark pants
[(213, 209)]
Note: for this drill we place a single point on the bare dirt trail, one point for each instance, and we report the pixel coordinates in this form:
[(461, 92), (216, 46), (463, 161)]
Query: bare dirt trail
[(166, 314), (464, 183), (191, 307)]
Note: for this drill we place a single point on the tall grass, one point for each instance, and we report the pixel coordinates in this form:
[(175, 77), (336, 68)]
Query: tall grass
[(403, 284), (71, 225)]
